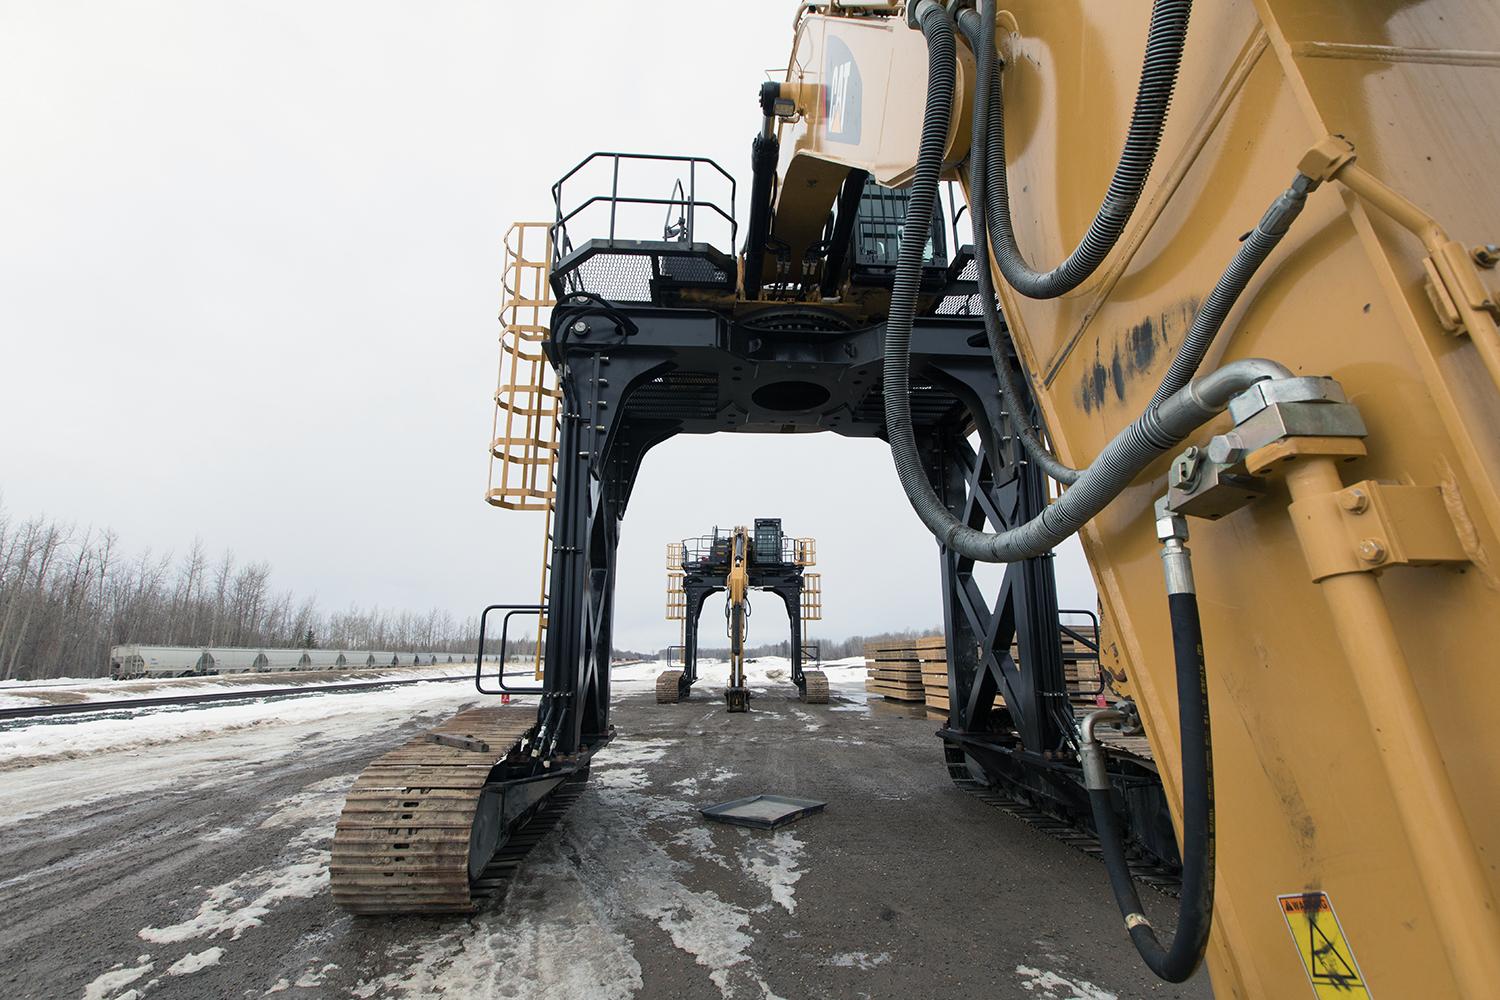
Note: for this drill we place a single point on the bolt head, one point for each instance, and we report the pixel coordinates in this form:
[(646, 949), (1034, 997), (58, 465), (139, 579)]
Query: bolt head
[(580, 327), (1355, 501), (1372, 551), (1226, 449)]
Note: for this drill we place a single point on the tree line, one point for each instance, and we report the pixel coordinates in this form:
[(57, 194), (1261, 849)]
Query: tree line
[(68, 594)]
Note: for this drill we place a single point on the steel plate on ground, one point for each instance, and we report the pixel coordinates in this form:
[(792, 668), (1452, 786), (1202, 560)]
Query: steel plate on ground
[(764, 812)]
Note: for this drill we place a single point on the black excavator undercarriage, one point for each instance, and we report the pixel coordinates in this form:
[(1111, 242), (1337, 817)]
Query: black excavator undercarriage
[(649, 340)]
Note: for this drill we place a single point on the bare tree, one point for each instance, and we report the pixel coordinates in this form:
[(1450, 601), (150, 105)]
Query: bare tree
[(67, 596)]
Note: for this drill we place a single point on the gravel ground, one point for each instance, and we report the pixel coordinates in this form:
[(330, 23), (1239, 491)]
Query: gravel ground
[(197, 868)]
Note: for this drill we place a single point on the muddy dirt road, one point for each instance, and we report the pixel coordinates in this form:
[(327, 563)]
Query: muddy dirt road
[(197, 867)]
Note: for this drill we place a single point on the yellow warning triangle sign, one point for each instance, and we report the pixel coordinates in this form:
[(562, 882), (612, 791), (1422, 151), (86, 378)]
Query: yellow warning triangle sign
[(1324, 950)]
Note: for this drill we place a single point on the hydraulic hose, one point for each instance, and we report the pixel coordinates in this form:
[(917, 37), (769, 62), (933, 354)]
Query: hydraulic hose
[(1154, 432), (980, 32), (1253, 251), (1164, 42), (1178, 961)]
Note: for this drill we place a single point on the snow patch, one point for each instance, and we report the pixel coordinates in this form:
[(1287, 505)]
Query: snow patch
[(230, 908), (622, 779), (859, 960), (699, 840), (566, 951), (117, 978), (312, 977), (1052, 986), (624, 752), (312, 811), (772, 861), (570, 941), (762, 674), (78, 737), (195, 962)]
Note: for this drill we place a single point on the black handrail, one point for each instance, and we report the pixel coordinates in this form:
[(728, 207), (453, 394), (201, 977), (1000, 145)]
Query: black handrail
[(511, 610), (560, 238), (1092, 645)]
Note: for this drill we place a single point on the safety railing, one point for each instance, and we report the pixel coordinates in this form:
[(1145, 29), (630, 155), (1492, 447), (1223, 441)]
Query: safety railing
[(1085, 644), (511, 611), (684, 200)]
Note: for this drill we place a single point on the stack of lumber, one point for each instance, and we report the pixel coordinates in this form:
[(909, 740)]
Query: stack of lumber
[(917, 671), (893, 671), (932, 654)]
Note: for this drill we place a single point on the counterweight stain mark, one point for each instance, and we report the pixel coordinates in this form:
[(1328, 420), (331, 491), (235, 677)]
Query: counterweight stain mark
[(1134, 353)]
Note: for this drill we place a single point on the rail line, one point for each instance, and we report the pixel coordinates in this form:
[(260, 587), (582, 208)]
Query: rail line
[(127, 704)]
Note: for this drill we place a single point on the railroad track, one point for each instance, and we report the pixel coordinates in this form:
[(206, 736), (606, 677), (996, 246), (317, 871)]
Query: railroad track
[(128, 704)]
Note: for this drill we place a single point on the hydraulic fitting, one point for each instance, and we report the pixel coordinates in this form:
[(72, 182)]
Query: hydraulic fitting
[(1091, 754)]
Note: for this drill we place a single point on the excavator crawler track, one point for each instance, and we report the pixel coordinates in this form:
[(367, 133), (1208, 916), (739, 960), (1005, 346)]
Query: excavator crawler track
[(669, 687), (1164, 880), (815, 687), (413, 836)]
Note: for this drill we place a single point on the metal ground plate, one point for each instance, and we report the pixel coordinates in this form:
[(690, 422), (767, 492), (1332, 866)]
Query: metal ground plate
[(763, 812)]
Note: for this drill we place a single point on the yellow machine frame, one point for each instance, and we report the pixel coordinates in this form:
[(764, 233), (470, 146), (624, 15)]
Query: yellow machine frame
[(1351, 675)]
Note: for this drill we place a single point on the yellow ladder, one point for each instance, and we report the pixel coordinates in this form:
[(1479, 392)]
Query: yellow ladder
[(676, 594), (805, 551), (523, 437)]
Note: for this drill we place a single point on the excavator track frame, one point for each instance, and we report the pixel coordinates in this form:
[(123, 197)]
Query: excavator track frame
[(637, 371), (422, 825)]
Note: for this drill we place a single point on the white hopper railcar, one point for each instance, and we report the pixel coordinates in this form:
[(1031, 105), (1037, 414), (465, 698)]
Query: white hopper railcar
[(158, 661)]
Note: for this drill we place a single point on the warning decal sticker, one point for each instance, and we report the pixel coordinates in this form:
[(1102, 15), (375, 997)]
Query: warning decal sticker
[(1320, 941)]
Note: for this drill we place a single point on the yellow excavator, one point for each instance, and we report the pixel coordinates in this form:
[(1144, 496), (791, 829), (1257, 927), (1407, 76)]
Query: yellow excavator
[(1229, 279), (737, 618), (735, 562)]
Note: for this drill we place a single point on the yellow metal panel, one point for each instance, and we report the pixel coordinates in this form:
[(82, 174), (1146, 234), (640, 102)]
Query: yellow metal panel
[(1306, 797)]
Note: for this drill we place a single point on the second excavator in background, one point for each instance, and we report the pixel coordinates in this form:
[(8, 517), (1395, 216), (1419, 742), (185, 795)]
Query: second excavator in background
[(735, 562)]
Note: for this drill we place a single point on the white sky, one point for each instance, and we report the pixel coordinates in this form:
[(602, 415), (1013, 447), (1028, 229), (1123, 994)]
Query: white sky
[(249, 258)]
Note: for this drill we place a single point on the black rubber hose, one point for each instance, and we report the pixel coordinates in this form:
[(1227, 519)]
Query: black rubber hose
[(1164, 42), (896, 366), (1209, 319), (980, 32), (1156, 430), (1178, 961), (1253, 251)]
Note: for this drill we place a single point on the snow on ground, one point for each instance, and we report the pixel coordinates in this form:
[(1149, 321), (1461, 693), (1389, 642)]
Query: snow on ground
[(67, 737), (568, 930), (115, 979), (195, 962), (1047, 985), (761, 672), (72, 736), (23, 694), (49, 682)]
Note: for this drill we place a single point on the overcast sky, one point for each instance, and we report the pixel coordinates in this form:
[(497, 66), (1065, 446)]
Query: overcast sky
[(249, 260)]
